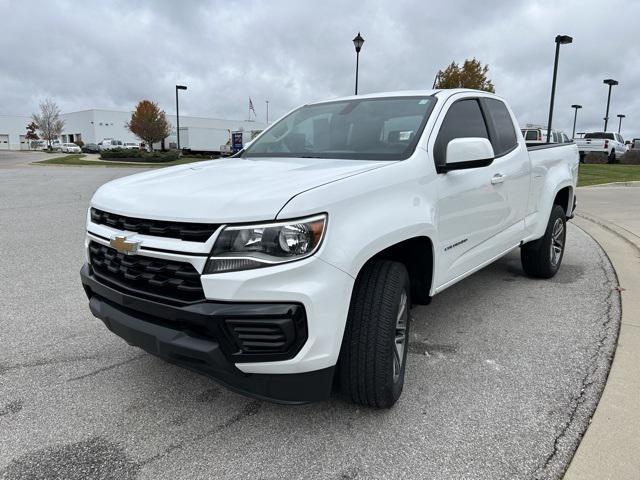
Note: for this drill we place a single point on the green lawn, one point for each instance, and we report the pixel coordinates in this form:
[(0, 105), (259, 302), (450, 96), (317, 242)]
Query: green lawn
[(594, 174), (77, 159)]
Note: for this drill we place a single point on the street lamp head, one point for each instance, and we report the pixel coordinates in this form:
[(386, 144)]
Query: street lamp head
[(610, 82), (563, 39), (621, 116), (357, 42), (576, 106), (180, 87)]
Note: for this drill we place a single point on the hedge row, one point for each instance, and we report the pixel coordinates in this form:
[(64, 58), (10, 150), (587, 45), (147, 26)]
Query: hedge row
[(137, 155), (631, 157)]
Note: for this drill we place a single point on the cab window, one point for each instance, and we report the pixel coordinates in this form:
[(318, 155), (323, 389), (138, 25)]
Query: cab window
[(464, 119), (505, 133)]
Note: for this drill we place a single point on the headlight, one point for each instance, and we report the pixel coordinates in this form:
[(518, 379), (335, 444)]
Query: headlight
[(255, 246)]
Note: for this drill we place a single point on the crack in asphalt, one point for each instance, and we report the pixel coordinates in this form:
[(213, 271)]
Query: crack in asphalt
[(248, 410), (11, 407), (106, 368), (608, 329), (44, 362)]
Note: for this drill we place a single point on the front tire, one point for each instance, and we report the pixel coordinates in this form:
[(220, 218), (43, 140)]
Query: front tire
[(374, 349), (542, 258)]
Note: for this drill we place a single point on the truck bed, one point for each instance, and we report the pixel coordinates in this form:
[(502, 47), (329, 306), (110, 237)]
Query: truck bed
[(541, 146)]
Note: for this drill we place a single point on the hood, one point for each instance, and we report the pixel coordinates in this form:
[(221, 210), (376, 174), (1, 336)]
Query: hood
[(222, 191)]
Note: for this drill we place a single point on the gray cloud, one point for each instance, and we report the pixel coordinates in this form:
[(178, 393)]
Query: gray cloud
[(112, 54)]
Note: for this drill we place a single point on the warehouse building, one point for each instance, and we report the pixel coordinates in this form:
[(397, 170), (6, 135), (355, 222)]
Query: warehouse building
[(92, 126)]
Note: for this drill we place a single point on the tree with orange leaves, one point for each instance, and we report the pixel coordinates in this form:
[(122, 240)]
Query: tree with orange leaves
[(149, 123)]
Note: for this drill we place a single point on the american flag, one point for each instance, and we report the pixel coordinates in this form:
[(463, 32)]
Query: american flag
[(251, 107)]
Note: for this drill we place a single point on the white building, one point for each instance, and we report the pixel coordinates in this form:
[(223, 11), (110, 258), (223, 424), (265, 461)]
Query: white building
[(92, 126)]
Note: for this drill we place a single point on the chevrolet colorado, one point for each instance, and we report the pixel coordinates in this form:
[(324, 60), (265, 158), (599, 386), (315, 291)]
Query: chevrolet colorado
[(289, 269)]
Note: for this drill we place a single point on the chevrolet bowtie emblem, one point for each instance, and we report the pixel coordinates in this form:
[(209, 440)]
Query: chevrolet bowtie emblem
[(122, 245)]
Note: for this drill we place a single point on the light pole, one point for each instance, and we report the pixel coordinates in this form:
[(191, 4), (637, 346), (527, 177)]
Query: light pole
[(575, 117), (620, 116), (267, 102), (560, 40), (357, 42), (178, 87), (611, 82)]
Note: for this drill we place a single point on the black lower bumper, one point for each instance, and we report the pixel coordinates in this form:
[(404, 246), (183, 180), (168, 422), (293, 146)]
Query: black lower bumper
[(170, 332)]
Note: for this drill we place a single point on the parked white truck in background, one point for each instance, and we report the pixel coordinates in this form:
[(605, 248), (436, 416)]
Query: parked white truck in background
[(291, 267), (537, 135), (610, 144), (210, 140)]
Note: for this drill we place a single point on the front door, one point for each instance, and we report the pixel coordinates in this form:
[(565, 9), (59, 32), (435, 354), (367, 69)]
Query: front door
[(480, 211)]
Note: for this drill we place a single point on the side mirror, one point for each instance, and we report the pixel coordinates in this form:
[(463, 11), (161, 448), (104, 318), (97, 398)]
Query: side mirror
[(470, 152)]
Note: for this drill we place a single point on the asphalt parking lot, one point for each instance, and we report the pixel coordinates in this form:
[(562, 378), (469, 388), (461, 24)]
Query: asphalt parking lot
[(503, 373)]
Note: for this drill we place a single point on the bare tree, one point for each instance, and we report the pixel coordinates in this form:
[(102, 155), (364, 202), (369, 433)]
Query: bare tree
[(48, 120)]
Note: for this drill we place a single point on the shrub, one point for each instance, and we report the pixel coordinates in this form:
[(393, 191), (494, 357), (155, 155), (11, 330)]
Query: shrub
[(139, 155), (80, 143), (632, 157), (203, 156)]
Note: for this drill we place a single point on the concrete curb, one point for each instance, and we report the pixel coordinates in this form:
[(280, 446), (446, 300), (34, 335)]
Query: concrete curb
[(610, 449), (633, 183)]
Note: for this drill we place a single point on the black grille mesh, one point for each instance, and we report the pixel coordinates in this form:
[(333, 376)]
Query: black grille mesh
[(161, 279), (262, 336), (192, 232)]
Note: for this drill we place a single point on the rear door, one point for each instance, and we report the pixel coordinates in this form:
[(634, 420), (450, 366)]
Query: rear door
[(620, 147), (480, 211)]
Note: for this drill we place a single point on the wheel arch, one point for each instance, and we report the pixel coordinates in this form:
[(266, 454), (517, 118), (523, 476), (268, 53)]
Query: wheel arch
[(417, 255), (564, 198)]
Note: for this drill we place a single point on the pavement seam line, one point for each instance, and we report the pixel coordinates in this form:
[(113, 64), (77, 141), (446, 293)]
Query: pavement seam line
[(588, 379)]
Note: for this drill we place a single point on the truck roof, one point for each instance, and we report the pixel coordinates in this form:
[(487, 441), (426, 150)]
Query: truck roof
[(443, 93)]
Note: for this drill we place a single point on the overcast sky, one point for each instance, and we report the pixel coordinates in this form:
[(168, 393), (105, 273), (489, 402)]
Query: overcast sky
[(110, 54)]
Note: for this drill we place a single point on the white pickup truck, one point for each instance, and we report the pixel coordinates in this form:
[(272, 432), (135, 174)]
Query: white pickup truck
[(289, 270), (610, 144)]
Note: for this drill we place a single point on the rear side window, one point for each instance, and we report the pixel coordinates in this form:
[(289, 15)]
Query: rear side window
[(464, 119), (599, 135), (506, 139), (531, 135), (565, 139)]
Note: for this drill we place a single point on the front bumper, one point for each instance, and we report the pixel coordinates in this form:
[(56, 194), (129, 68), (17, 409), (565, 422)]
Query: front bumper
[(195, 337)]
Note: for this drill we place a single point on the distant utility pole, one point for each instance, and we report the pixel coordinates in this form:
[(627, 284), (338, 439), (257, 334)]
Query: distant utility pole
[(267, 102)]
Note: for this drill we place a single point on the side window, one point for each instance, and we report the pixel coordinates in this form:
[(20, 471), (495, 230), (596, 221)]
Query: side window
[(565, 139), (555, 137), (464, 119), (506, 139), (532, 135)]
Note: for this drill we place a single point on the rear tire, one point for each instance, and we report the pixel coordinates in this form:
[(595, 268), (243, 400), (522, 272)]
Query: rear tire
[(374, 349), (542, 258), (612, 157)]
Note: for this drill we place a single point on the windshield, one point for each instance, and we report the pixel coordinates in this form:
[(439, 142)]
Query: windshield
[(600, 135), (371, 129)]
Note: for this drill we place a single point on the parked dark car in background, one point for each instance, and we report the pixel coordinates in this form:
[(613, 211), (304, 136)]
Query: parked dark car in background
[(90, 148)]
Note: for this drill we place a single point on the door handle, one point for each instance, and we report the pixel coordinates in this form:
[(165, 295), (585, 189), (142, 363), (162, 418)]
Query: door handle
[(497, 178)]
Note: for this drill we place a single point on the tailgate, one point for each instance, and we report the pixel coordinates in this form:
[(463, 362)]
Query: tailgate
[(591, 143)]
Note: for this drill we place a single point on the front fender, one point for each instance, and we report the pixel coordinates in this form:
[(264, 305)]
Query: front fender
[(370, 212)]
